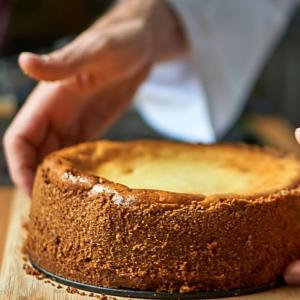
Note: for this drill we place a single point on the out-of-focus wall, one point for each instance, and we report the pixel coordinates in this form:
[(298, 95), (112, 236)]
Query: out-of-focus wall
[(39, 22)]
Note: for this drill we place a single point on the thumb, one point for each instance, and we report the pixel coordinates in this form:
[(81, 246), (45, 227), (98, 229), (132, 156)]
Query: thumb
[(45, 67), (62, 63), (83, 54)]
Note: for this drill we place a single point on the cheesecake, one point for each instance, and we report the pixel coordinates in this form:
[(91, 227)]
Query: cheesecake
[(166, 216)]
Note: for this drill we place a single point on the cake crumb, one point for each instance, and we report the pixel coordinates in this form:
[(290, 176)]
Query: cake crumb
[(72, 290), (31, 271), (101, 297)]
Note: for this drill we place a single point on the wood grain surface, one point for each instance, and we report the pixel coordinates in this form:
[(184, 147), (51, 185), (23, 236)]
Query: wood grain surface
[(16, 284), (6, 194)]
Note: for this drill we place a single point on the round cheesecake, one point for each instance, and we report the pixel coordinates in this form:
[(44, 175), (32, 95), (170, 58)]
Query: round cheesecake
[(166, 216)]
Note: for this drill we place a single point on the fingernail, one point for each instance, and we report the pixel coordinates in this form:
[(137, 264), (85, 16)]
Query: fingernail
[(45, 57), (28, 55)]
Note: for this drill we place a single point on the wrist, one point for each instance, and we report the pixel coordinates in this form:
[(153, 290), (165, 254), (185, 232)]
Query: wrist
[(165, 31), (162, 28)]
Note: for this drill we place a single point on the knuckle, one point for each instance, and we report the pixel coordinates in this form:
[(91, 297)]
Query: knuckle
[(139, 25), (117, 57)]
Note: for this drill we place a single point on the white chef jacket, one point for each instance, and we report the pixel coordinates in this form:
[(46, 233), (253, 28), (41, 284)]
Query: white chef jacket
[(199, 97)]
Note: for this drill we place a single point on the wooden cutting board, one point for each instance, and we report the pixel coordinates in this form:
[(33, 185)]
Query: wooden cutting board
[(16, 284)]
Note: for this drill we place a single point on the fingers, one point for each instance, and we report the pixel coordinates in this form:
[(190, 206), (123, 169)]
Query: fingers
[(297, 135), (44, 67), (21, 141), (292, 273), (46, 122), (47, 67), (21, 159)]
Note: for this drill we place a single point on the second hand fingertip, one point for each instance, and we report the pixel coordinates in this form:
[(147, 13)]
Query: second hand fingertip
[(292, 273), (297, 134)]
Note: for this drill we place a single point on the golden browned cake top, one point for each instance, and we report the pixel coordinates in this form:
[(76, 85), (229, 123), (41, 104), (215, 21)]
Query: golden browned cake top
[(184, 168)]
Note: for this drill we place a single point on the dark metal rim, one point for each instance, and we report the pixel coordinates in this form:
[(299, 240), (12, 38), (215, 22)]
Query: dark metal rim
[(119, 292)]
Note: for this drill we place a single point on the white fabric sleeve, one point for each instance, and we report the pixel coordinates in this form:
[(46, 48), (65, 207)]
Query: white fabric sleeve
[(229, 41), (173, 103)]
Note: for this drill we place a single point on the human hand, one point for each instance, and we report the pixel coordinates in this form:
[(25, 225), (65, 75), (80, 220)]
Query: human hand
[(88, 83)]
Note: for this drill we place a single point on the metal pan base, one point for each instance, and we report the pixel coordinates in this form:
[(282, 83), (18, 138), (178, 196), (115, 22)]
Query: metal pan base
[(151, 294)]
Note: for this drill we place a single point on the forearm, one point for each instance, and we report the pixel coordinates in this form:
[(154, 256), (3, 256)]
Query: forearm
[(167, 33)]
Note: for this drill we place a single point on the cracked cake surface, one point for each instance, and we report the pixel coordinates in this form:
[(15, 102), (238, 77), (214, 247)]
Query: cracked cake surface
[(166, 216)]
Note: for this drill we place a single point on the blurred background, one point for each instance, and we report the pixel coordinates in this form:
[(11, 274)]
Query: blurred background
[(38, 26), (273, 109)]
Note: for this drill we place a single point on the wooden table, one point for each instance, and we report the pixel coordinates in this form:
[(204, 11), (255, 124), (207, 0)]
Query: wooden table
[(6, 194), (15, 284)]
